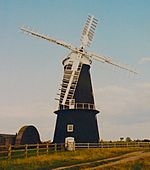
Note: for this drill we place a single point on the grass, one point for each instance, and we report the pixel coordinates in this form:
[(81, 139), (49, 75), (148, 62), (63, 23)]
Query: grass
[(140, 164), (53, 160)]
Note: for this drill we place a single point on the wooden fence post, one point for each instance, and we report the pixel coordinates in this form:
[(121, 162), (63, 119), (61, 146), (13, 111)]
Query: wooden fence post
[(47, 148), (26, 151), (55, 147), (61, 147), (9, 152), (37, 149)]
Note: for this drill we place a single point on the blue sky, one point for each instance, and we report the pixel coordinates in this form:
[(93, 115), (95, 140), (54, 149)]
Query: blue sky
[(31, 69)]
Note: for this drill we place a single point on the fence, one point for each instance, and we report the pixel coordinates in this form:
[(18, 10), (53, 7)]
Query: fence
[(24, 151), (114, 145)]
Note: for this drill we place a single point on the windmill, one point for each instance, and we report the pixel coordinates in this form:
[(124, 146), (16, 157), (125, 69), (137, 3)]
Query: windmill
[(76, 114)]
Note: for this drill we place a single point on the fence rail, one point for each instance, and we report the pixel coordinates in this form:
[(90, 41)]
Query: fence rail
[(20, 151), (24, 151), (114, 145)]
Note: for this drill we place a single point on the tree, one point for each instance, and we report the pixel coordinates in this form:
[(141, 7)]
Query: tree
[(121, 138), (128, 139)]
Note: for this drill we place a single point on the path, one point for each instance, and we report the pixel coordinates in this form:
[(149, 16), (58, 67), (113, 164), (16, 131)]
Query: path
[(107, 162), (124, 160)]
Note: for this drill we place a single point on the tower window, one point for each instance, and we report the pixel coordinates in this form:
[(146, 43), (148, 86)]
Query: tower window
[(70, 128)]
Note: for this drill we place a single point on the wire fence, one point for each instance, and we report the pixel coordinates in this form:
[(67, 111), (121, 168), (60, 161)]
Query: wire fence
[(23, 151)]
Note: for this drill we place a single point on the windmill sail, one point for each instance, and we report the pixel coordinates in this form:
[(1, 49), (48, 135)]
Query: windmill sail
[(88, 31), (73, 63), (48, 38), (69, 82)]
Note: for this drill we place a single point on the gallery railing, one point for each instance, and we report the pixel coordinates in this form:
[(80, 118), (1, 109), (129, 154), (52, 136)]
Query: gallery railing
[(79, 106)]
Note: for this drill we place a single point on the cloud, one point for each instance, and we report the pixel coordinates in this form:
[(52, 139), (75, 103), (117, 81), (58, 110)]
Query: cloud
[(144, 60), (123, 109), (39, 114)]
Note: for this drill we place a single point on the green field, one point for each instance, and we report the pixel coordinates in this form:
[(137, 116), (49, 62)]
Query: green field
[(66, 158)]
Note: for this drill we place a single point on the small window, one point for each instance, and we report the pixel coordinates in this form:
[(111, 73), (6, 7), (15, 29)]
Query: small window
[(70, 128)]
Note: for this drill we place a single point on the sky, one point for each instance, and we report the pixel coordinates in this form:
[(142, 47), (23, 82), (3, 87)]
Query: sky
[(31, 69)]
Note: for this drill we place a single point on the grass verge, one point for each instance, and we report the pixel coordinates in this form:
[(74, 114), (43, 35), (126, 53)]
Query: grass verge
[(54, 160)]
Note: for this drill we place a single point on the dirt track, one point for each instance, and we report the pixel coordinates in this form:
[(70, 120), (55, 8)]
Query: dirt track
[(108, 162), (123, 160)]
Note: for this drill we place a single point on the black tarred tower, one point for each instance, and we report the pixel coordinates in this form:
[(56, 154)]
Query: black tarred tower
[(76, 115)]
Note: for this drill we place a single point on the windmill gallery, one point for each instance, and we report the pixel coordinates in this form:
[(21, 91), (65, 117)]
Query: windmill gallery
[(76, 114)]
